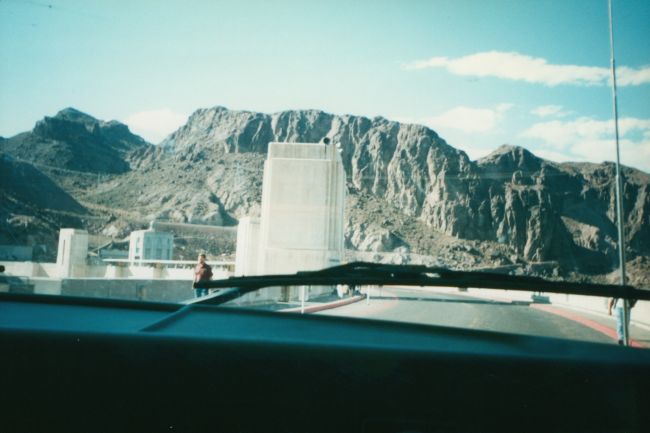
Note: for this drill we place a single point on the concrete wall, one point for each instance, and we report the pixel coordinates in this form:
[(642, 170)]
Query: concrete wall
[(22, 269), (52, 270), (49, 270), (127, 288), (31, 269)]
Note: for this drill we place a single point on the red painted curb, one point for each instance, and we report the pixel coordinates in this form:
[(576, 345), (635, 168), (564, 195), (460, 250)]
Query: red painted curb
[(335, 304), (584, 321)]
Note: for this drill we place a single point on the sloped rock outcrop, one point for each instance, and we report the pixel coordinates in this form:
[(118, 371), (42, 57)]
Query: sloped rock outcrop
[(33, 208), (76, 141)]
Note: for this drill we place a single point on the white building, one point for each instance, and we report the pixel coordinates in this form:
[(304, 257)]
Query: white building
[(301, 223), (151, 245)]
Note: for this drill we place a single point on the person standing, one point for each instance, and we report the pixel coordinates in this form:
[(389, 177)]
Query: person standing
[(618, 305), (202, 272)]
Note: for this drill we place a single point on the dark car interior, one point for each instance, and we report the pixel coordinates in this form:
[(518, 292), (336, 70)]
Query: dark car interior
[(81, 365)]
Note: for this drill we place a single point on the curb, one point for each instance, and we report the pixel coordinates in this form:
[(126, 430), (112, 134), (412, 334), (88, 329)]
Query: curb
[(327, 306), (603, 329)]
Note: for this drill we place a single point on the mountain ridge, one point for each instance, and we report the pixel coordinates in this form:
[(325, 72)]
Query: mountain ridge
[(74, 140), (510, 205)]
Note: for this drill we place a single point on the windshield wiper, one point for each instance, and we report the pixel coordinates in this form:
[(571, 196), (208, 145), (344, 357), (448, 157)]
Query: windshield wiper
[(364, 274)]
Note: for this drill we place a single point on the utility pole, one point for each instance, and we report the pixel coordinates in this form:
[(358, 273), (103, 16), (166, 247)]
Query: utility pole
[(619, 180)]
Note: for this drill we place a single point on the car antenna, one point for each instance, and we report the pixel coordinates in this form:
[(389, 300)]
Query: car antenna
[(619, 180)]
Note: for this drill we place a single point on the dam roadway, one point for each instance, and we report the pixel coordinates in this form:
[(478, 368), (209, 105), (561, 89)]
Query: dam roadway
[(459, 310)]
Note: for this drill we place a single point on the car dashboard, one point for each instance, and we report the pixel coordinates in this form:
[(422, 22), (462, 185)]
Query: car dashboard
[(81, 365)]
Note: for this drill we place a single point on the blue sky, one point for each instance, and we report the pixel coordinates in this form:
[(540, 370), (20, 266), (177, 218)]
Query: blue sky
[(480, 73)]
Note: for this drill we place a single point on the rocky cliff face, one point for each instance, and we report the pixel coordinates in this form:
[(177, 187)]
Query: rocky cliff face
[(543, 210), (76, 141), (408, 165), (588, 210)]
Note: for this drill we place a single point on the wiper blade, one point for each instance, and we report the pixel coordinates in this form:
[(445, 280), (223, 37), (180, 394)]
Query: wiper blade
[(364, 274)]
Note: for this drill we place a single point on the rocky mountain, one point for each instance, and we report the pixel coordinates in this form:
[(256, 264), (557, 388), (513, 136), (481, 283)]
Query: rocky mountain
[(76, 141), (543, 210), (564, 211), (409, 192)]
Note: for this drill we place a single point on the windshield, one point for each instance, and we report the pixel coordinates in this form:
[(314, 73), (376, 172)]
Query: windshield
[(149, 147)]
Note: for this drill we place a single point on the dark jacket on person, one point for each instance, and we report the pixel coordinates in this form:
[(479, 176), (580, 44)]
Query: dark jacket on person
[(202, 272)]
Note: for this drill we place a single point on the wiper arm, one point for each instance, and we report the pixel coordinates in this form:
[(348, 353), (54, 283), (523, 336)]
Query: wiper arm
[(363, 274)]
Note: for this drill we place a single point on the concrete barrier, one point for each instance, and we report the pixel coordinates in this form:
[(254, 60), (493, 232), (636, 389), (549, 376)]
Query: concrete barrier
[(46, 286), (128, 288), (124, 288)]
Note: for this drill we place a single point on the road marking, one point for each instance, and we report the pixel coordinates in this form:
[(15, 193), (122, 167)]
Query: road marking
[(584, 321)]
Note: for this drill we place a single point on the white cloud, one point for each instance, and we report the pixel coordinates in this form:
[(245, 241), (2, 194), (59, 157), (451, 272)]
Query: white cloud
[(155, 125), (561, 134), (632, 77), (587, 139), (550, 111), (468, 119), (520, 67)]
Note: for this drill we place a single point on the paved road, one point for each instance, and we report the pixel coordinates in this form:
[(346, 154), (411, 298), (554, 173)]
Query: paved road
[(448, 309)]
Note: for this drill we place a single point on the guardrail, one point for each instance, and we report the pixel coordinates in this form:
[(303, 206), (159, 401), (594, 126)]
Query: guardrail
[(167, 262)]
